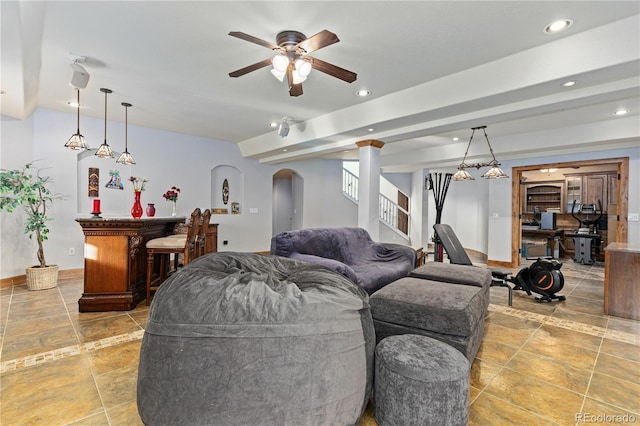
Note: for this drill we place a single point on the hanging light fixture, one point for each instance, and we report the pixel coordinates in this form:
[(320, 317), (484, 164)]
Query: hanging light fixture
[(77, 141), (495, 172), (105, 150), (125, 157)]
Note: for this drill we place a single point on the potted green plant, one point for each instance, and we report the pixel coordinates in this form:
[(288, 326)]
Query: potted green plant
[(27, 188)]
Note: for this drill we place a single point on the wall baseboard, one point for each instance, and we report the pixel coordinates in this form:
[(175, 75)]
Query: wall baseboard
[(21, 279)]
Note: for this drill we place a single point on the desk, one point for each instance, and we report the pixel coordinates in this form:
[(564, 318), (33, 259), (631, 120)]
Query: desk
[(115, 260), (621, 283), (550, 234)]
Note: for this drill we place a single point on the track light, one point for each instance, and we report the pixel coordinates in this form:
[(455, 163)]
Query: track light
[(283, 128), (79, 75)]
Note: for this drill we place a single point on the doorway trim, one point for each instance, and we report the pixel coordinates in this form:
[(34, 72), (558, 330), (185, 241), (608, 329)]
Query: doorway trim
[(622, 207)]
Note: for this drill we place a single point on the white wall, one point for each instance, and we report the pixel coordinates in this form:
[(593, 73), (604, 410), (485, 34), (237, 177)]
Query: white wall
[(166, 159)]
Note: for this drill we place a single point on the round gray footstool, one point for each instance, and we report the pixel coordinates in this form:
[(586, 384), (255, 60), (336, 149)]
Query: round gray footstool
[(246, 339), (420, 381)]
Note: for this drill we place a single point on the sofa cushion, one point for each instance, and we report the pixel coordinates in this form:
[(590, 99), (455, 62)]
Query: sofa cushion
[(458, 274), (332, 264), (417, 303)]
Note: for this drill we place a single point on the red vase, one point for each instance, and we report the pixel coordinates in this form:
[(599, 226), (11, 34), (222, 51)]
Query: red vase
[(136, 210), (151, 210)]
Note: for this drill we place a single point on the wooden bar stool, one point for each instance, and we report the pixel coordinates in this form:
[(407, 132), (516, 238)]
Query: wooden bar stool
[(202, 232), (166, 246)]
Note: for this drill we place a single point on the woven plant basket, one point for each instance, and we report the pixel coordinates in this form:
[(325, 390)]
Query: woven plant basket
[(42, 278)]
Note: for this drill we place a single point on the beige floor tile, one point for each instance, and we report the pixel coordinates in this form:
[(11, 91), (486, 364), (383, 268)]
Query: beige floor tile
[(125, 415), (488, 409), (621, 349), (482, 372), (615, 391), (115, 357), (618, 367), (554, 336), (605, 414), (100, 328), (16, 345), (495, 352), (99, 419), (53, 406), (32, 380), (505, 335), (551, 370), (578, 316), (568, 354), (118, 386), (519, 390), (623, 324), (513, 322)]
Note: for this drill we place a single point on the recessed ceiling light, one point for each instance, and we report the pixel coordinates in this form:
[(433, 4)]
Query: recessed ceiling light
[(455, 138), (273, 124), (568, 83), (363, 92), (284, 150), (557, 26), (74, 104), (622, 112), (370, 129)]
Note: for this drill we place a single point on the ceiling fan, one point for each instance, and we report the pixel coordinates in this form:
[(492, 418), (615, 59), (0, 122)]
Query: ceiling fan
[(292, 58)]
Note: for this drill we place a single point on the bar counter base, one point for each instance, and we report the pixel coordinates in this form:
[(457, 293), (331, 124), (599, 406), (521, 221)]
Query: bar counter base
[(115, 260)]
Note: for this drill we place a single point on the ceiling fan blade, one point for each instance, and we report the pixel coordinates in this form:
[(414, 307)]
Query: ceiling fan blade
[(323, 39), (253, 67), (333, 70), (253, 39)]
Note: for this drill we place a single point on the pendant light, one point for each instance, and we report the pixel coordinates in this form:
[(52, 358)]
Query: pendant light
[(105, 150), (495, 172), (125, 157), (76, 141)]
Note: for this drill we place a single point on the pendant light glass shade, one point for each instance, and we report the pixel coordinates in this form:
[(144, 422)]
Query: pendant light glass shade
[(125, 157), (105, 150), (77, 141), (462, 175)]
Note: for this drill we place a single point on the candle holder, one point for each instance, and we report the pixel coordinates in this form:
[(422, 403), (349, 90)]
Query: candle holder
[(96, 209)]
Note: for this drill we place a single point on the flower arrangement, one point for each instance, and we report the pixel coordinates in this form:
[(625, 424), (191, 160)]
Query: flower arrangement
[(138, 183), (172, 194)]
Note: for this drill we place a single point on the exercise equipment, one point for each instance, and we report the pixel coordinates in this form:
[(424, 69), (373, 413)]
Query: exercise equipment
[(542, 277), (587, 238)]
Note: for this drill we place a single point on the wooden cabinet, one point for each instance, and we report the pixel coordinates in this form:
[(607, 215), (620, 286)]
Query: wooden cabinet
[(542, 194), (592, 188), (621, 285)]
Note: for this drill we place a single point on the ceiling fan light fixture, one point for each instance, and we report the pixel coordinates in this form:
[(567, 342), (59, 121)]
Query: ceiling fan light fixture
[(278, 74), (303, 67), (280, 63), (297, 77)]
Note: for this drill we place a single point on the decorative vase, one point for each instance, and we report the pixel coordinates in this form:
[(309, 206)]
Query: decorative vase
[(174, 212), (136, 210), (151, 210)]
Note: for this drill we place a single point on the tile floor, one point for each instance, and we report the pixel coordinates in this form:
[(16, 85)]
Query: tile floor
[(539, 363)]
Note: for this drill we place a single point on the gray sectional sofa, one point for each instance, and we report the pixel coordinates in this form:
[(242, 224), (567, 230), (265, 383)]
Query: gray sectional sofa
[(348, 251)]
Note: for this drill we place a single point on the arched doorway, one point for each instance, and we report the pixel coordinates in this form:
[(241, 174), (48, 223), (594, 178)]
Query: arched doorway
[(287, 199)]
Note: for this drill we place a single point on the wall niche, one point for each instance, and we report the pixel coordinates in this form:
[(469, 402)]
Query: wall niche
[(227, 190)]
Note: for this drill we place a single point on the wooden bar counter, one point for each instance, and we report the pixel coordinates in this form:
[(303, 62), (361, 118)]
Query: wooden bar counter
[(115, 260), (622, 280)]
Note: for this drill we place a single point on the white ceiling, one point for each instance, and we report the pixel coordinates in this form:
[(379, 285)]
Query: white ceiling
[(435, 69)]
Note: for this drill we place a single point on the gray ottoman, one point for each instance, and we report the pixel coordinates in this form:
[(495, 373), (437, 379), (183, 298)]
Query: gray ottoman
[(246, 339), (420, 381), (444, 301)]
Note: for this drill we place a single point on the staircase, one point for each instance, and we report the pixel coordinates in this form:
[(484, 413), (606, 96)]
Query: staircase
[(390, 212)]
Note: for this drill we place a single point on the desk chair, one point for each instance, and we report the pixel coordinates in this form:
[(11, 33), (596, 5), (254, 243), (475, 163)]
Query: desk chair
[(166, 246)]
